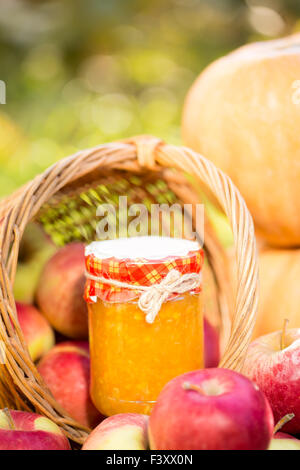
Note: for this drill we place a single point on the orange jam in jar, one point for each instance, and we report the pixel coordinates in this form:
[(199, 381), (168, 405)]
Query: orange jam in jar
[(145, 318)]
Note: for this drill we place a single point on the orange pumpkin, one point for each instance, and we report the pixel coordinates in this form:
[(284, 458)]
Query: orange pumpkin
[(279, 290), (243, 112)]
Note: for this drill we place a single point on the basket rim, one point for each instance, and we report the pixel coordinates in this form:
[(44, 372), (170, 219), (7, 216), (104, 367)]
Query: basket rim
[(133, 155)]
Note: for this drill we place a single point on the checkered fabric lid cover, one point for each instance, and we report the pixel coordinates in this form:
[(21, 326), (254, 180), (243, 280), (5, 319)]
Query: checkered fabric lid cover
[(139, 272)]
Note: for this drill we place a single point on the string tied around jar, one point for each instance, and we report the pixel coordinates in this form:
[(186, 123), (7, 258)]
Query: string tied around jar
[(152, 297)]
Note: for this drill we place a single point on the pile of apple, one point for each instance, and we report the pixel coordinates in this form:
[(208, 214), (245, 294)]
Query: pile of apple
[(212, 408)]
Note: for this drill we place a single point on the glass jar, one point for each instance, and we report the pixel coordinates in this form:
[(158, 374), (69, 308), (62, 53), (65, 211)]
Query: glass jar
[(132, 356)]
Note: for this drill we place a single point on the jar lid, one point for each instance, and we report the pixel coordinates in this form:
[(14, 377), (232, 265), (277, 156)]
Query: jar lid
[(138, 261)]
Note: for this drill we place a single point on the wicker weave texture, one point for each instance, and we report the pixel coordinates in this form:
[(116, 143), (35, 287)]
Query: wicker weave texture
[(20, 380)]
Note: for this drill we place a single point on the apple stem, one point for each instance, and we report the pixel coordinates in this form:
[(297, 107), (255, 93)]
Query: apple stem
[(283, 334), (189, 386), (9, 419), (283, 421)]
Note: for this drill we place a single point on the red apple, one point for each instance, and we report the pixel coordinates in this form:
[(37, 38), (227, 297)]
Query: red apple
[(66, 371), (211, 345), (20, 430), (127, 431), (275, 368), (211, 409), (37, 331), (284, 435), (283, 441), (60, 292)]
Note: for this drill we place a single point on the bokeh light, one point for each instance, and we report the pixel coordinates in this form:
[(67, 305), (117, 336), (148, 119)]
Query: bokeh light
[(85, 72)]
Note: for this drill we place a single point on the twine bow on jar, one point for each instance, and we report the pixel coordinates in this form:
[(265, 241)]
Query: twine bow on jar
[(152, 297)]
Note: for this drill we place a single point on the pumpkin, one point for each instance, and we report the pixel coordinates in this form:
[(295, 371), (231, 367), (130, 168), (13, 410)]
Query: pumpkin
[(279, 290), (243, 112)]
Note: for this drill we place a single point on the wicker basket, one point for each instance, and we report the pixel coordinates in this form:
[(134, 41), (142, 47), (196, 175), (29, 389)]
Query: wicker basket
[(21, 385)]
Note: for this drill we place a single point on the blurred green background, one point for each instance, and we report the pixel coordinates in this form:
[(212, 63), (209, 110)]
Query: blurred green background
[(82, 72)]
